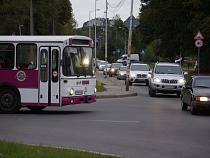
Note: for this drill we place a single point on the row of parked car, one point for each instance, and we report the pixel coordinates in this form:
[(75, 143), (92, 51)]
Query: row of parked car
[(168, 78)]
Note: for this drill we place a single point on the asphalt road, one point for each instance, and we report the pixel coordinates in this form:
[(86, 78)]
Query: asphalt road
[(133, 127)]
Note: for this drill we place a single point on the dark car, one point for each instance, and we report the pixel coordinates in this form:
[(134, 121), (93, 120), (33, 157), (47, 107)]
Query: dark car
[(196, 94), (114, 68)]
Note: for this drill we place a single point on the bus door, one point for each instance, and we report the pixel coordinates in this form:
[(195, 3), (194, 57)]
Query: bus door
[(49, 76)]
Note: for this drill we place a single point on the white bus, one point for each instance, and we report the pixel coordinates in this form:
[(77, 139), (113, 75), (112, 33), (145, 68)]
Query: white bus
[(41, 71)]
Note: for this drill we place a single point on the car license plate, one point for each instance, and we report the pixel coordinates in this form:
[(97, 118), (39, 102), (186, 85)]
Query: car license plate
[(79, 92), (169, 87)]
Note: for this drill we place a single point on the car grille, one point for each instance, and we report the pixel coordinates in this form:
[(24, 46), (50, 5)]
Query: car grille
[(168, 81), (141, 75)]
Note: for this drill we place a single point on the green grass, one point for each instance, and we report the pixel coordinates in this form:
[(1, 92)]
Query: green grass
[(100, 87), (15, 150)]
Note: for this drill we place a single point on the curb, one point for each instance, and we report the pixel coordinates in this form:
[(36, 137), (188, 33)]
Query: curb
[(116, 95)]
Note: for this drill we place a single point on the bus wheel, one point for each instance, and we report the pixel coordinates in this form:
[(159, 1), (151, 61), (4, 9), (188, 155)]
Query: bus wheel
[(9, 101), (36, 108)]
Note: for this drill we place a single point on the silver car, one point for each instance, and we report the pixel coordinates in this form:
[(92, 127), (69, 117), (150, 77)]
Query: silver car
[(166, 78), (121, 73)]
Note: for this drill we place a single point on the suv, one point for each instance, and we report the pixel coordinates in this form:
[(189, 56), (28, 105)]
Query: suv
[(138, 73), (166, 78)]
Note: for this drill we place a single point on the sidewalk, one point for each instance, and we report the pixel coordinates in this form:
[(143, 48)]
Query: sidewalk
[(113, 89)]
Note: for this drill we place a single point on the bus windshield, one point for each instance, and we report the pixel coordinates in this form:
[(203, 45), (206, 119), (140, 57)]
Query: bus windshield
[(77, 61)]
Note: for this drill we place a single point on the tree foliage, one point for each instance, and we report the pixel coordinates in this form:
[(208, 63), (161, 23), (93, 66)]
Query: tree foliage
[(50, 17), (175, 23)]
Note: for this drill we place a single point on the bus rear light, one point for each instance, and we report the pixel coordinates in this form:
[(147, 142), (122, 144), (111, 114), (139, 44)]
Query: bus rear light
[(65, 81)]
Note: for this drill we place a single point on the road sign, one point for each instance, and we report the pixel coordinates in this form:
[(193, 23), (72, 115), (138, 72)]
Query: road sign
[(135, 23), (198, 36), (198, 43), (143, 52)]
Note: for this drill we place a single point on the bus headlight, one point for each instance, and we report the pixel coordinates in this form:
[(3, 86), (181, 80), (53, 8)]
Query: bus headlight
[(86, 62), (71, 92)]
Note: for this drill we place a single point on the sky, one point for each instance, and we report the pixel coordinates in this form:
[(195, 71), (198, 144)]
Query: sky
[(82, 8)]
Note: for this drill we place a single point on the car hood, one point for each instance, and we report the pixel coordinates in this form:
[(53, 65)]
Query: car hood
[(139, 72), (201, 91), (169, 76)]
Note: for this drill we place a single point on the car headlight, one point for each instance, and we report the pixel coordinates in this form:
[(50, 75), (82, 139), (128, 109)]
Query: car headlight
[(202, 99), (157, 80), (71, 92), (133, 75), (121, 73), (181, 80), (112, 70)]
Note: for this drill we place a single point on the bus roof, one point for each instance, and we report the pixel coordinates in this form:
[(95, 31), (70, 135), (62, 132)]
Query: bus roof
[(35, 38)]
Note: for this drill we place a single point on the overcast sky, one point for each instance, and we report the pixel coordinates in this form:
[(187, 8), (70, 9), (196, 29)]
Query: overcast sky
[(81, 9)]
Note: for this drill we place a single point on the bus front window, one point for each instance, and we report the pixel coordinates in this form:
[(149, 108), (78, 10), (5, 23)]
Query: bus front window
[(77, 61)]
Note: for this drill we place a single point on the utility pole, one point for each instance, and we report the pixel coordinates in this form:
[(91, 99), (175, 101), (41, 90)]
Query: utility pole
[(31, 18), (106, 42), (129, 47)]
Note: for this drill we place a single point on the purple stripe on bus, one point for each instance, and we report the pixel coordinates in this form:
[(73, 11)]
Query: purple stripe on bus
[(85, 82), (20, 78)]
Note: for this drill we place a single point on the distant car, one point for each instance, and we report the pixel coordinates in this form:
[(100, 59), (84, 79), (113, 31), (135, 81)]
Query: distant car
[(113, 69), (121, 73), (139, 73), (196, 94), (106, 69), (101, 65)]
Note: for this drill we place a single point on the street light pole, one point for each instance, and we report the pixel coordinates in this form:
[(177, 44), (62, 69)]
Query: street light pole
[(89, 21), (95, 34)]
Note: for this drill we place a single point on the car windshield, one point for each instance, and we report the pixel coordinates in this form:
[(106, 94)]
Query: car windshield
[(202, 82), (123, 68), (139, 67), (116, 65), (102, 63), (168, 70)]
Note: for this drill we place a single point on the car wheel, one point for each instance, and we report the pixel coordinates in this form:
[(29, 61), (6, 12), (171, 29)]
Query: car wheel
[(193, 110), (183, 104), (178, 94), (152, 93), (9, 101)]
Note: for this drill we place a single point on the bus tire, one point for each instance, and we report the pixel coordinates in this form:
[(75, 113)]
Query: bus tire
[(36, 108), (9, 101)]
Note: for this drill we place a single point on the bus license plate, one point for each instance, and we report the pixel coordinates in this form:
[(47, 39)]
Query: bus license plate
[(79, 92)]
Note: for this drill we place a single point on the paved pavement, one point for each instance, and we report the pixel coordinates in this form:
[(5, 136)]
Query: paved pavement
[(113, 88)]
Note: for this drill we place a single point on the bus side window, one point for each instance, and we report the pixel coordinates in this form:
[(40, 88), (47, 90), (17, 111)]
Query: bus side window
[(26, 56), (6, 56)]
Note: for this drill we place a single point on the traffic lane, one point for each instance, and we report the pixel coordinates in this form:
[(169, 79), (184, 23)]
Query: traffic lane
[(150, 127)]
